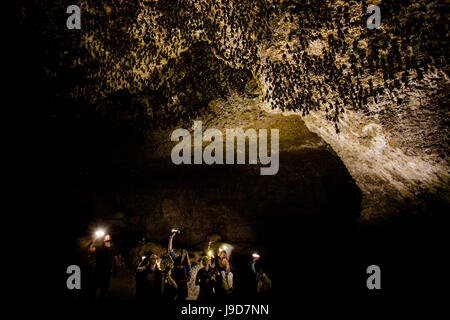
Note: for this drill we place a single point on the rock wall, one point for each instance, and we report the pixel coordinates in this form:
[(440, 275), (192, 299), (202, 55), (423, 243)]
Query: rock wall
[(233, 201), (377, 97)]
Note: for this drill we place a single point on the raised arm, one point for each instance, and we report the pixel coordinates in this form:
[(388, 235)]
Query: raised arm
[(92, 246), (170, 241), (168, 277), (171, 252)]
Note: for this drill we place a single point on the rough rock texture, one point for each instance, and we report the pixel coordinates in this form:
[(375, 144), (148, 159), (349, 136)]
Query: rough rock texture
[(395, 146), (388, 157), (234, 201), (385, 91)]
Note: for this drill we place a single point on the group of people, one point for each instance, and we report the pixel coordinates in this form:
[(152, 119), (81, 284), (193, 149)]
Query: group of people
[(165, 278), (216, 276)]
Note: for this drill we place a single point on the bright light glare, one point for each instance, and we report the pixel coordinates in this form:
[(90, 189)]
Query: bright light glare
[(210, 253), (99, 233), (255, 255), (226, 248)]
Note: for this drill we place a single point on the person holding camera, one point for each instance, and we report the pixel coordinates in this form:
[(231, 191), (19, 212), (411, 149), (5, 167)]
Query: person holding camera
[(105, 264), (225, 278), (181, 272)]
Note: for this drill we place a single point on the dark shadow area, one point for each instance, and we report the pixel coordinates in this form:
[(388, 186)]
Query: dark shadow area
[(303, 219)]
